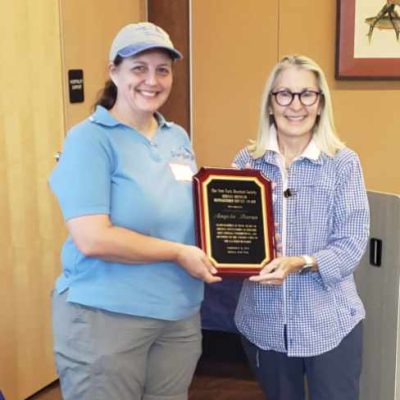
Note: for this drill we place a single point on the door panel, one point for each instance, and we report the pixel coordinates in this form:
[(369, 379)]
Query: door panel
[(31, 230), (173, 16)]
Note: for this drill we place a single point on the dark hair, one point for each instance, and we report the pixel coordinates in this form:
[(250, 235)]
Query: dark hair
[(108, 95)]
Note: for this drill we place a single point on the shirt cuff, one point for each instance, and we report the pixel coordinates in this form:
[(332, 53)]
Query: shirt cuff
[(328, 267)]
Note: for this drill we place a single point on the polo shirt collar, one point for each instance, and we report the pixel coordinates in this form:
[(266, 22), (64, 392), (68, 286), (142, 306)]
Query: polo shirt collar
[(162, 121), (103, 117)]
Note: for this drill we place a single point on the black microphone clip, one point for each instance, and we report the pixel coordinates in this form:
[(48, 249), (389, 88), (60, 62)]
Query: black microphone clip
[(288, 193)]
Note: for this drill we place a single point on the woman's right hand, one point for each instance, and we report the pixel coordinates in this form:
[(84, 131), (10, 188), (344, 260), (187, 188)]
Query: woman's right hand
[(197, 264)]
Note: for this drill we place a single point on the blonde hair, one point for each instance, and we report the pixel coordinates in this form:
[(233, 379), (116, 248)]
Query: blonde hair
[(324, 132)]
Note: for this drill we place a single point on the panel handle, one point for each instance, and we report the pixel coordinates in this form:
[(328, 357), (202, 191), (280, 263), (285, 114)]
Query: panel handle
[(375, 252)]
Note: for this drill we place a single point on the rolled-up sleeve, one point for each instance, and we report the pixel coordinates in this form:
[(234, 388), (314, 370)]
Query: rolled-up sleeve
[(351, 220)]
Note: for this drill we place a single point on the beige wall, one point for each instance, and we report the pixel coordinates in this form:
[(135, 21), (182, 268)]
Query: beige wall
[(233, 47), (235, 44)]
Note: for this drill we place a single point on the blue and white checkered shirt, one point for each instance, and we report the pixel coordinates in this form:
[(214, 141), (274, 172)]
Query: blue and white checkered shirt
[(326, 217)]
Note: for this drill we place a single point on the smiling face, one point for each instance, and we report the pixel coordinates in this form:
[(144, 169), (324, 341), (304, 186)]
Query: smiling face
[(143, 82), (295, 119)]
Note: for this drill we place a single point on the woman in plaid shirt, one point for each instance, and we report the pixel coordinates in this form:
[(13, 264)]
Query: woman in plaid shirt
[(301, 316)]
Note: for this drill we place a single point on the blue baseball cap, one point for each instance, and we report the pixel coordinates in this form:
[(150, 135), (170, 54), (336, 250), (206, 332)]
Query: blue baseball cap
[(133, 39)]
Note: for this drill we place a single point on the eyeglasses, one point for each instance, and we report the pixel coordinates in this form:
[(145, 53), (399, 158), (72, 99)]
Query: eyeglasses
[(307, 97)]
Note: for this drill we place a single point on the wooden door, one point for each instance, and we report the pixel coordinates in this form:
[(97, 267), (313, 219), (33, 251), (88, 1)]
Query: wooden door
[(31, 230), (88, 28)]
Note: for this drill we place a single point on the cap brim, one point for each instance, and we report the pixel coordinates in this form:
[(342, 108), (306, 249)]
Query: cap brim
[(135, 50)]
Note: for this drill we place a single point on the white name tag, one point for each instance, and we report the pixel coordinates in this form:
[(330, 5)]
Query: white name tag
[(182, 172)]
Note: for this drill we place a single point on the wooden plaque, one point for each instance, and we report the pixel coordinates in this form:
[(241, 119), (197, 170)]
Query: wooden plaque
[(234, 219)]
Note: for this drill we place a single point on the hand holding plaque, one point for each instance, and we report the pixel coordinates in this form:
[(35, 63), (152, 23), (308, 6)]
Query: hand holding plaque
[(234, 219)]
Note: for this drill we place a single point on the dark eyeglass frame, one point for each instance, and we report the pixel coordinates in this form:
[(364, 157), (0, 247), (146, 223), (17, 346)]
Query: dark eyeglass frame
[(318, 94)]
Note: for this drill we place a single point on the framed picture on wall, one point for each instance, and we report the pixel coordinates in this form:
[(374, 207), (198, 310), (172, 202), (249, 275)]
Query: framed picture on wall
[(368, 39)]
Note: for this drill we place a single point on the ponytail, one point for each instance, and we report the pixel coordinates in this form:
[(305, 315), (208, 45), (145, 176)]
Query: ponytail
[(108, 95)]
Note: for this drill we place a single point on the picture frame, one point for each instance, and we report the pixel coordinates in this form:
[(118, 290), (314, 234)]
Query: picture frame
[(366, 43)]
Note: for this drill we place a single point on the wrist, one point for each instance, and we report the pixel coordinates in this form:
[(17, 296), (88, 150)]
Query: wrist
[(309, 263), (177, 252)]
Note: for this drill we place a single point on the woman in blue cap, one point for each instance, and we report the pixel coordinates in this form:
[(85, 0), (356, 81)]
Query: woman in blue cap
[(126, 307)]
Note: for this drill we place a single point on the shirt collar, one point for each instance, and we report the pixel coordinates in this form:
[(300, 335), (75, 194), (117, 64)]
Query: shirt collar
[(162, 121), (103, 117), (311, 152)]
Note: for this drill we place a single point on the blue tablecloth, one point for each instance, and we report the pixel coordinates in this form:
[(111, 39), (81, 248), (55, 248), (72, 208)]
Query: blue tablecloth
[(219, 305)]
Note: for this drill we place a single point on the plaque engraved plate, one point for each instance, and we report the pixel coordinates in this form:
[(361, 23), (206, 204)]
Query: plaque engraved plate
[(234, 219)]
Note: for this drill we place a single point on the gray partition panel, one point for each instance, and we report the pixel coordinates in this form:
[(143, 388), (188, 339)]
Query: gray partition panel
[(379, 289)]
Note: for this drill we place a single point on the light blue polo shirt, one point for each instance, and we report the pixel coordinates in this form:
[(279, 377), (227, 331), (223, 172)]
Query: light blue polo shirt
[(109, 168)]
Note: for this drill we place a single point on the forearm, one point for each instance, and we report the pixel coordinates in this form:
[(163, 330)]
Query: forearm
[(125, 246), (349, 237), (95, 236), (114, 243), (339, 260)]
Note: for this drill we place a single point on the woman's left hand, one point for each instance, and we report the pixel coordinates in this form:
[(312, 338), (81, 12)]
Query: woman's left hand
[(275, 272)]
